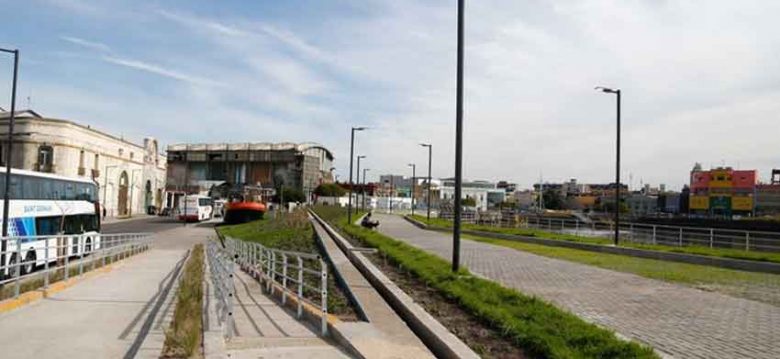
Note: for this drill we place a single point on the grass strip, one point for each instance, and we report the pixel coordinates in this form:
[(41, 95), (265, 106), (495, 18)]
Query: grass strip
[(530, 232), (185, 335), (539, 328)]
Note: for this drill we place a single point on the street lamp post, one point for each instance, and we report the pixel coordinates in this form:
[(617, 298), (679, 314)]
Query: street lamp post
[(617, 163), (359, 157), (8, 157), (458, 142), (414, 179), (428, 199), (351, 157), (363, 188)]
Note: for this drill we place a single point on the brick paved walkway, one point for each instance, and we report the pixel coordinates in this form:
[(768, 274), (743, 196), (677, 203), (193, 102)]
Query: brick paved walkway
[(676, 320)]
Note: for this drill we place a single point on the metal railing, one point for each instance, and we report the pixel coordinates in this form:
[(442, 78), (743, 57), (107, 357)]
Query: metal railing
[(55, 257), (303, 276), (221, 267), (661, 234)]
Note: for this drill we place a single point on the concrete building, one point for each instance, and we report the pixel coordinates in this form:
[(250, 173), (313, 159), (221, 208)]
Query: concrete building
[(640, 205), (196, 167), (722, 191), (130, 176)]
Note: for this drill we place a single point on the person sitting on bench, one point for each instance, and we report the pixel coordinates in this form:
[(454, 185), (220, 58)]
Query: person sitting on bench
[(368, 223)]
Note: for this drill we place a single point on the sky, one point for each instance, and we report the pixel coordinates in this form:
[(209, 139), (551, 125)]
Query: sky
[(700, 80)]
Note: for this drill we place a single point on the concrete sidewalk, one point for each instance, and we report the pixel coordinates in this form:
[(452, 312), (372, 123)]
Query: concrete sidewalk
[(109, 315), (264, 329), (674, 319)]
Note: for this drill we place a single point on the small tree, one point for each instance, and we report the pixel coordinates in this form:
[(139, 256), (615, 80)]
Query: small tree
[(290, 195), (552, 200), (468, 202), (330, 190)]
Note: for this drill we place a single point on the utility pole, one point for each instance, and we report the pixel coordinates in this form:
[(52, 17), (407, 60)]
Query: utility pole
[(430, 157), (359, 157), (351, 184), (616, 92), (458, 142), (8, 156), (414, 180)]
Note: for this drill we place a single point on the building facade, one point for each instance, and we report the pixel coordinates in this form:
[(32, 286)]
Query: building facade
[(722, 191), (194, 168), (130, 176), (485, 194)]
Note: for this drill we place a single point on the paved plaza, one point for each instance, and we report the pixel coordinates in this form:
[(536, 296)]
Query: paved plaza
[(676, 320)]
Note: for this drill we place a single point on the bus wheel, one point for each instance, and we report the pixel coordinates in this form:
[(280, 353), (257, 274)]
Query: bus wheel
[(29, 263), (12, 266)]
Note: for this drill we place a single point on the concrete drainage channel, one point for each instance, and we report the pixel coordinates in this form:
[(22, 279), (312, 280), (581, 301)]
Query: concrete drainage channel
[(347, 260)]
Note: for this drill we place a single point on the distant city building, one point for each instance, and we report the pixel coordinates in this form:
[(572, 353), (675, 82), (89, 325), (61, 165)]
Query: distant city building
[(130, 176), (722, 191), (485, 194), (768, 196), (507, 186), (195, 168), (640, 205)]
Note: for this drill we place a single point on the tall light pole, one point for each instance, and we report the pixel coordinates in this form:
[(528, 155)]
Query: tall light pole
[(617, 163), (9, 153), (359, 157), (458, 142), (428, 199), (414, 180), (363, 187), (351, 157)]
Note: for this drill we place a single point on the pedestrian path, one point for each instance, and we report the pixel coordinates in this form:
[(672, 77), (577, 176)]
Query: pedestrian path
[(676, 320), (114, 314), (263, 329)]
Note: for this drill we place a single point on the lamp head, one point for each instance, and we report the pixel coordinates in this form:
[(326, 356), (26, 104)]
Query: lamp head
[(607, 89), (359, 128)]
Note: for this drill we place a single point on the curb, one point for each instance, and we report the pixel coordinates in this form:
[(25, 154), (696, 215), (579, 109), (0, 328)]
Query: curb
[(720, 262)]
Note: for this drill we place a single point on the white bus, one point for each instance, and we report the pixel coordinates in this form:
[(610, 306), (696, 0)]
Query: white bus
[(196, 208), (42, 204)]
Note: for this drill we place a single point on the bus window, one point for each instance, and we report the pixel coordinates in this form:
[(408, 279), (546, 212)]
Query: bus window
[(47, 226), (70, 191), (80, 223), (204, 202), (15, 190)]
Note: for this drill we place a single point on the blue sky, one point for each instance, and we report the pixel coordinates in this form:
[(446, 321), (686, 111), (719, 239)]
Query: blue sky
[(701, 79)]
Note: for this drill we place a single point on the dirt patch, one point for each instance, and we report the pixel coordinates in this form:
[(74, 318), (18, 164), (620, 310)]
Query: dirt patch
[(481, 338)]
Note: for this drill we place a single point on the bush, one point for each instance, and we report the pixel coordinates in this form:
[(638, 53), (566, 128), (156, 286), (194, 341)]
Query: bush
[(330, 190)]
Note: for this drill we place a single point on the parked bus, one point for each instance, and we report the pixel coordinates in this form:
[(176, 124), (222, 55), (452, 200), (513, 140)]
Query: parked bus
[(196, 208), (42, 204)]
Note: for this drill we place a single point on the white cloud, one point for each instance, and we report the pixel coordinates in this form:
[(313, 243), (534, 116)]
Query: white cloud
[(158, 70), (86, 43)]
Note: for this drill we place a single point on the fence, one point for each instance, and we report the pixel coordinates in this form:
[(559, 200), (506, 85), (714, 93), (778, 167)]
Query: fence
[(303, 276), (221, 267), (55, 257), (663, 234)]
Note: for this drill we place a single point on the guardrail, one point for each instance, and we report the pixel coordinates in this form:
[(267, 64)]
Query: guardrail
[(303, 276), (221, 267), (47, 256), (663, 234)]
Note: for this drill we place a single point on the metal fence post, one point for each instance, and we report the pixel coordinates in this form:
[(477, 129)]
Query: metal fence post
[(300, 287), (231, 291), (577, 227), (747, 241), (563, 225), (284, 278), (324, 296), (712, 235), (80, 247), (67, 257), (18, 270), (654, 238), (631, 231), (680, 238), (46, 263), (270, 274)]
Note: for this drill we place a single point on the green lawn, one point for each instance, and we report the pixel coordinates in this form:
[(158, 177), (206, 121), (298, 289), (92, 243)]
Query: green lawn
[(529, 232), (539, 328)]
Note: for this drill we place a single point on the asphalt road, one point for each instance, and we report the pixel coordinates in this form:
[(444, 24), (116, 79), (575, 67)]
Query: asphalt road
[(148, 225)]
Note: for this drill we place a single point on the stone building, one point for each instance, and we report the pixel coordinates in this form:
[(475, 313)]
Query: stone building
[(130, 177), (196, 167)]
